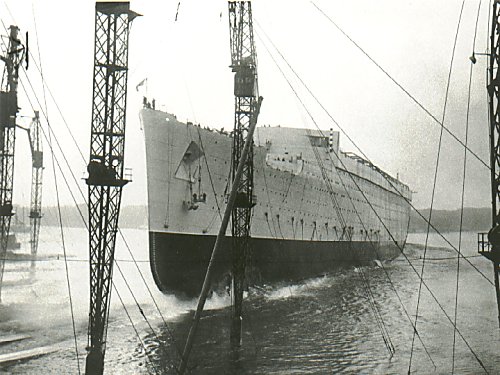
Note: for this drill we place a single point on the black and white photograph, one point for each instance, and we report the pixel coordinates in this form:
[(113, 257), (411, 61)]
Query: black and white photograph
[(250, 187)]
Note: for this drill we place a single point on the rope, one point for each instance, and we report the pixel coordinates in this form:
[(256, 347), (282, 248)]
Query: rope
[(268, 198), (59, 214), (289, 185), (435, 180), (141, 311), (51, 131), (463, 193), (461, 225), (149, 291), (54, 160), (65, 257), (368, 159), (324, 175), (135, 329), (402, 88), (376, 311), (279, 226), (409, 262), (210, 174), (204, 154), (269, 226), (44, 84), (83, 218)]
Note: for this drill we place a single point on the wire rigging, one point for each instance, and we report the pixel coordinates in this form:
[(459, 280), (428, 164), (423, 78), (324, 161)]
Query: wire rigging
[(324, 175), (60, 217), (49, 140), (376, 313), (409, 262), (461, 221), (402, 88), (135, 329), (463, 190), (45, 85), (65, 259), (141, 311), (275, 234), (83, 218), (442, 127), (419, 213), (83, 196), (348, 195), (80, 212), (374, 307), (434, 183)]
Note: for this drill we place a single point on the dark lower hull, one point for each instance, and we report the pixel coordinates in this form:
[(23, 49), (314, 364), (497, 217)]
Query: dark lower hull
[(179, 261)]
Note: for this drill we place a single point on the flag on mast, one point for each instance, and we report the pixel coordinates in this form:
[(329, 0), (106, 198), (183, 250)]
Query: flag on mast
[(144, 81)]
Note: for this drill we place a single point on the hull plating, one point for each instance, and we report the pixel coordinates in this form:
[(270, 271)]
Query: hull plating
[(179, 261)]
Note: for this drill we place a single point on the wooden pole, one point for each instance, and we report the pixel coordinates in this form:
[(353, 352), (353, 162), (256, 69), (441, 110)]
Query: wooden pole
[(222, 233)]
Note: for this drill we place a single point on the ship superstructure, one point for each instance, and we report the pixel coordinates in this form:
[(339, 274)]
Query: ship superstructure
[(310, 214)]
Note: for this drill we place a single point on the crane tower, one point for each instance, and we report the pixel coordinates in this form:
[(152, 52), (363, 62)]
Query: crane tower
[(106, 173), (246, 111), (36, 182), (491, 248), (12, 58)]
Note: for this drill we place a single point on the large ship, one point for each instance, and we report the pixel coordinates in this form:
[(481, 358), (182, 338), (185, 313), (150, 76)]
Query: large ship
[(317, 207)]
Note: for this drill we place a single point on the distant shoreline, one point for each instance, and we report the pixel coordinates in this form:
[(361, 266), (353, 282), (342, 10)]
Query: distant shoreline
[(130, 216), (474, 220)]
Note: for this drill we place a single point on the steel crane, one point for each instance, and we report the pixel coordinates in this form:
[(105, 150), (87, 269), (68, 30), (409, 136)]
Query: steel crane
[(35, 215), (246, 111), (490, 246), (106, 172), (12, 57)]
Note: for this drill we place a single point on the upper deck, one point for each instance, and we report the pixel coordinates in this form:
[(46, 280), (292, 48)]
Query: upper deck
[(307, 151), (315, 147)]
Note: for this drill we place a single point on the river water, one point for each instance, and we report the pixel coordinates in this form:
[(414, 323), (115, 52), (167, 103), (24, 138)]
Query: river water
[(331, 324)]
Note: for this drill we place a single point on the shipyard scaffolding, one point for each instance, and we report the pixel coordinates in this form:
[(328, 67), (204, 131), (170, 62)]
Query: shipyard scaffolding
[(12, 58), (106, 172), (489, 246)]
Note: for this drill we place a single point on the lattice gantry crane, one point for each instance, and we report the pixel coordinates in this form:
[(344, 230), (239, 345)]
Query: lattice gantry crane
[(106, 165), (490, 248), (36, 182), (246, 111), (12, 57), (36, 147)]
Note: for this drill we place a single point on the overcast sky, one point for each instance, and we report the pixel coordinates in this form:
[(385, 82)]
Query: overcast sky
[(186, 63)]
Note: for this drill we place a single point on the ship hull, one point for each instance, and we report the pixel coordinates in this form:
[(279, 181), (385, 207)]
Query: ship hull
[(315, 207), (179, 261)]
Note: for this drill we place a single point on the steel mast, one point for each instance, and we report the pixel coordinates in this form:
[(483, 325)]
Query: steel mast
[(491, 248), (12, 59), (106, 169), (36, 182), (246, 111)]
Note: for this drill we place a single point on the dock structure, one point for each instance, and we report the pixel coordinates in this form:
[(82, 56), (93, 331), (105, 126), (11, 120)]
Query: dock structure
[(106, 172), (14, 56)]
